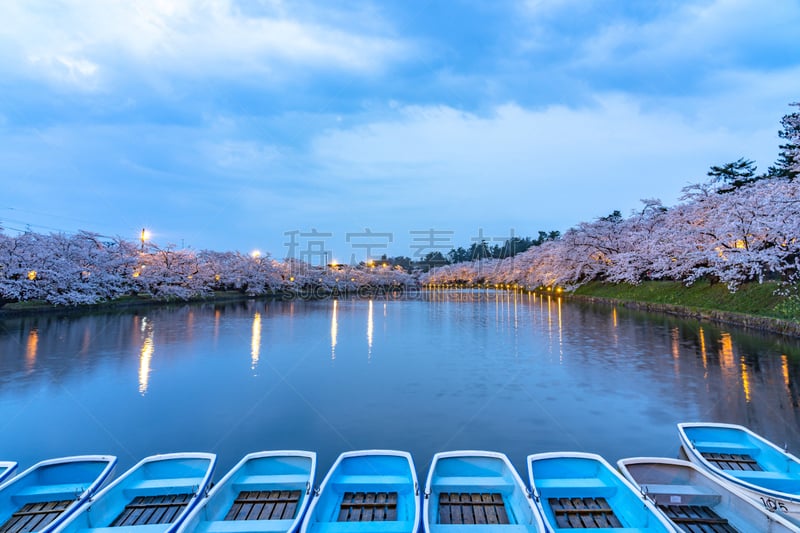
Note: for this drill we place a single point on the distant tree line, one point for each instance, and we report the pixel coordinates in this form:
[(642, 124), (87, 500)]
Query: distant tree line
[(87, 269), (734, 227)]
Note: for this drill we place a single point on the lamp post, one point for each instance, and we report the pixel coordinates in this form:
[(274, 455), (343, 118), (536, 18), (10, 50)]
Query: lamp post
[(143, 238)]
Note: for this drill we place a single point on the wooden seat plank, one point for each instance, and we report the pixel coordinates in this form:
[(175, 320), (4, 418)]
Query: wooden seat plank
[(34, 516), (583, 513), (499, 508), (456, 516), (489, 508), (379, 513), (368, 507), (733, 461), (472, 508), (146, 510), (467, 513), (264, 505), (444, 508), (291, 506), (697, 518)]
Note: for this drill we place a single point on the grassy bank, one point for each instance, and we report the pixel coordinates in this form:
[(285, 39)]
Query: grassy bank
[(751, 299)]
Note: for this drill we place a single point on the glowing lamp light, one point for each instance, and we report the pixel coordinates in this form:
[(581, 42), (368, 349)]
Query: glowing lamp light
[(31, 275), (145, 236), (255, 254)]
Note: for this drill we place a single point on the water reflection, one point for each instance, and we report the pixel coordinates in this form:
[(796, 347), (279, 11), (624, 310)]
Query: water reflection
[(30, 349), (370, 326), (145, 355), (702, 336), (467, 364), (334, 328), (745, 380), (785, 368), (255, 341)]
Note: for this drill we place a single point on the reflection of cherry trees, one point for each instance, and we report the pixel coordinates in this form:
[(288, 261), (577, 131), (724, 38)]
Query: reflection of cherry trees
[(86, 269), (747, 234)]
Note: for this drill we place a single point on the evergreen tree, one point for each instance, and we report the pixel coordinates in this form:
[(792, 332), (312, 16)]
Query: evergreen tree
[(788, 163), (734, 175)]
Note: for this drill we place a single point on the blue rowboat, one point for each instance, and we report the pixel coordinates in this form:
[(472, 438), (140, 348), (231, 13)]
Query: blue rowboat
[(46, 494), (367, 491), (763, 471), (476, 492), (152, 497), (265, 491), (694, 499), (6, 469), (581, 490)]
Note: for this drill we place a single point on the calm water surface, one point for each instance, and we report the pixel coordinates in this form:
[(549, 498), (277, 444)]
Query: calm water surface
[(509, 372)]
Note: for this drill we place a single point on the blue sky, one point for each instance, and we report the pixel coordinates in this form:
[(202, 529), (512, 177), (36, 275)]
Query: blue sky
[(228, 125)]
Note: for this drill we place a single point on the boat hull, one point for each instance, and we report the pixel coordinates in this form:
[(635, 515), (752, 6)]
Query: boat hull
[(683, 490), (154, 496), (573, 489), (758, 468), (265, 491), (367, 491), (476, 491), (48, 493)]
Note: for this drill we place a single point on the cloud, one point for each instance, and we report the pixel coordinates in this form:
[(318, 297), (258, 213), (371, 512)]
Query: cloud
[(714, 33), (564, 164), (86, 43), (661, 49)]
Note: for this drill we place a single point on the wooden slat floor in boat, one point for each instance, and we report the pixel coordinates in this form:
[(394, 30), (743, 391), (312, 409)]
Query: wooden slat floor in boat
[(583, 513), (368, 507), (697, 519), (34, 516), (145, 510), (472, 508), (733, 461), (264, 505)]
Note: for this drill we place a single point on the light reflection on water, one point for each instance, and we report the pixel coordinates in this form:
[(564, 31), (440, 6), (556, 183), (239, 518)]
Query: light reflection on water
[(519, 373)]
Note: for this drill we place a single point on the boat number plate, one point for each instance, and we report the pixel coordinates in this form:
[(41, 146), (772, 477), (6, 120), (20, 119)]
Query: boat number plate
[(774, 505)]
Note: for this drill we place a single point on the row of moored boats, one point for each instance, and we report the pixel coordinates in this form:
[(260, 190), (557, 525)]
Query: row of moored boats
[(734, 481)]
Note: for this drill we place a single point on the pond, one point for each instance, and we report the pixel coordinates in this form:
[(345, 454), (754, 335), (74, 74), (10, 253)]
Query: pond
[(512, 372)]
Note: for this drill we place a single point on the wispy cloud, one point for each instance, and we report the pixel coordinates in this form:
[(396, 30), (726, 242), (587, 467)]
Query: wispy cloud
[(570, 156), (87, 43)]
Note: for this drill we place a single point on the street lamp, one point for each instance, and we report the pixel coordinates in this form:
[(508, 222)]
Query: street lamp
[(145, 235)]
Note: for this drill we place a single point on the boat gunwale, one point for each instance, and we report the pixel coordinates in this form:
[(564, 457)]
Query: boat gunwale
[(92, 458), (690, 449), (365, 453), (235, 469)]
